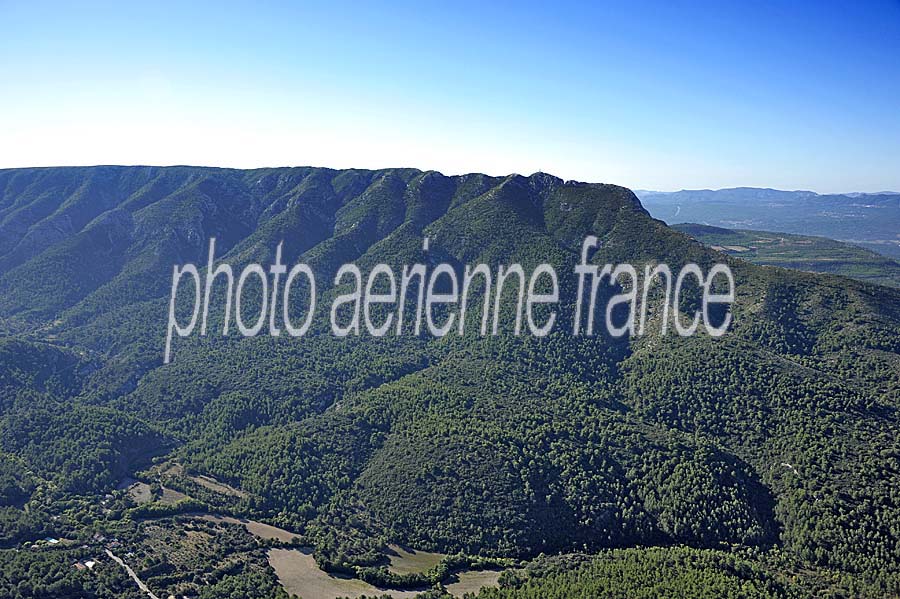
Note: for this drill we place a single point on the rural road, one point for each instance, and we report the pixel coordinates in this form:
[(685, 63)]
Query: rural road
[(131, 573)]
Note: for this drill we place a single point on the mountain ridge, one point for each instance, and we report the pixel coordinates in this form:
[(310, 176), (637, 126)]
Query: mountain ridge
[(501, 446)]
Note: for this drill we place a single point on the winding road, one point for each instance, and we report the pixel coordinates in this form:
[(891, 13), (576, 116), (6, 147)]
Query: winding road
[(131, 573)]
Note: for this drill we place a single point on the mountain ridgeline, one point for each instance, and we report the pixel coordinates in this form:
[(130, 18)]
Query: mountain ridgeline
[(780, 438)]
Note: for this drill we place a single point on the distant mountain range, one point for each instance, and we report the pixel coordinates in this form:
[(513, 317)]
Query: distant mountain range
[(871, 220)]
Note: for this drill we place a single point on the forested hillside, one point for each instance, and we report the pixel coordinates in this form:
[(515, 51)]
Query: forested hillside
[(763, 463)]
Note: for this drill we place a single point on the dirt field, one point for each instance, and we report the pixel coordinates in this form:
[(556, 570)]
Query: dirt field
[(408, 561), (263, 531), (298, 573), (216, 486), (140, 492), (471, 582), (171, 496), (137, 490)]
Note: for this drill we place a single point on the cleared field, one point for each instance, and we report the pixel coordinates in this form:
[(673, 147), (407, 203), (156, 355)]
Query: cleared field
[(176, 470), (472, 581), (216, 486), (170, 496), (261, 530), (140, 492), (298, 573), (409, 561)]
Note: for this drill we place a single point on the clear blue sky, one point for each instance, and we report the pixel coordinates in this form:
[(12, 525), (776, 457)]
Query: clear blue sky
[(654, 95)]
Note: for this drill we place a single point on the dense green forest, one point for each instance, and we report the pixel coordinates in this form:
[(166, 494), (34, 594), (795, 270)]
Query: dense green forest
[(764, 463)]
